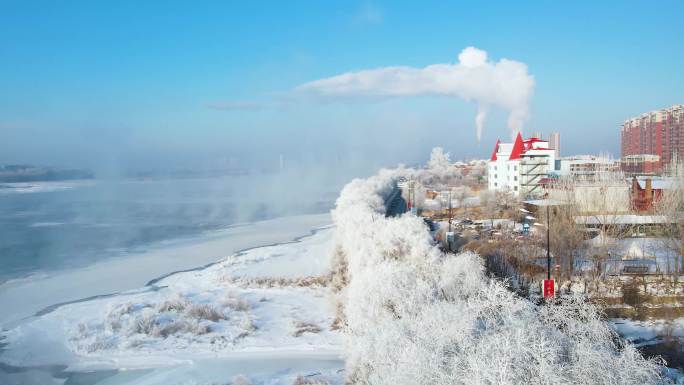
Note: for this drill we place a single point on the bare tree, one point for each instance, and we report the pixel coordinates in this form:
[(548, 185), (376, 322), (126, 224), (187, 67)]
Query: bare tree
[(592, 201), (566, 238), (671, 206)]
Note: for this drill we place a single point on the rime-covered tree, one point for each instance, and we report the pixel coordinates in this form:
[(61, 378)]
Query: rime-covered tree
[(417, 316)]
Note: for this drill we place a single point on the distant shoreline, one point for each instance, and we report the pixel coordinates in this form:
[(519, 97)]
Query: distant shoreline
[(28, 173)]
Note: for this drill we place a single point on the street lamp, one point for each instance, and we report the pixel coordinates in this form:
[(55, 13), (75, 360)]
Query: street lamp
[(548, 244), (548, 284)]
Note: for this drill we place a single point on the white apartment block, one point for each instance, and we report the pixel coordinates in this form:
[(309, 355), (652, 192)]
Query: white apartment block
[(587, 166)]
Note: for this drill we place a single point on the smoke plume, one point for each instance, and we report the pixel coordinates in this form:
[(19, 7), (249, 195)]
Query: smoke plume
[(505, 84)]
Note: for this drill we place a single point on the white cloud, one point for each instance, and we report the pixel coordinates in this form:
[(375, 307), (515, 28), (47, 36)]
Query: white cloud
[(505, 84)]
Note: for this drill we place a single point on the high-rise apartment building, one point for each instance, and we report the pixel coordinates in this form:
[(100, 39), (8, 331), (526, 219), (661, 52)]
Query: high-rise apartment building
[(554, 142), (659, 132)]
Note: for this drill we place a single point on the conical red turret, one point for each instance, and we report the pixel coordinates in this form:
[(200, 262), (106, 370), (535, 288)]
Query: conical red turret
[(518, 148), (496, 149)]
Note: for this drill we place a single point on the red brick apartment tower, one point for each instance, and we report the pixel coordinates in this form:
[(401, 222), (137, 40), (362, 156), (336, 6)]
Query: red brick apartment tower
[(659, 132)]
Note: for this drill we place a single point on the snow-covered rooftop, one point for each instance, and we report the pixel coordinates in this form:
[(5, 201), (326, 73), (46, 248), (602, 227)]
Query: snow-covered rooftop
[(627, 219), (544, 202), (657, 184)]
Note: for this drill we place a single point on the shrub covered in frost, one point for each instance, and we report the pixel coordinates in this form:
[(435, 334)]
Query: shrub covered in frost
[(416, 316), (277, 282), (247, 324), (300, 380), (305, 327), (135, 325), (203, 312), (234, 302)]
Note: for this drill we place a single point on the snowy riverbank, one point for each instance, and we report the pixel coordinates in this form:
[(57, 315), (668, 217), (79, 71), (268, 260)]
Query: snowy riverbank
[(264, 313), (26, 297)]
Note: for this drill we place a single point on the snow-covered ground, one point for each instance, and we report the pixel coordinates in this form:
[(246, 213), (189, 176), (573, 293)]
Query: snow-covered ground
[(26, 297), (264, 313), (658, 254), (648, 332)]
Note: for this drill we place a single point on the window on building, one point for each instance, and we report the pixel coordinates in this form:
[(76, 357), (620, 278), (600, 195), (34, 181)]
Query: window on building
[(494, 184), (515, 188), (515, 168), (515, 178)]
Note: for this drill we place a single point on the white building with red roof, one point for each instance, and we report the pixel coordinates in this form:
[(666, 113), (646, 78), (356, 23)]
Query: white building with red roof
[(518, 167)]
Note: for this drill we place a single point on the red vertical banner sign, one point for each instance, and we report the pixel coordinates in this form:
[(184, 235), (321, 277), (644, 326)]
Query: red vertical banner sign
[(549, 288)]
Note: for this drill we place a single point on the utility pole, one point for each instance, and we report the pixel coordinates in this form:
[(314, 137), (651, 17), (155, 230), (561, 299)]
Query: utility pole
[(450, 215), (449, 233), (549, 288), (548, 243), (414, 198), (408, 203)]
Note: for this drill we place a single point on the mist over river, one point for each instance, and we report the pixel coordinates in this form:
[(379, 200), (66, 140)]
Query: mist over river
[(48, 226)]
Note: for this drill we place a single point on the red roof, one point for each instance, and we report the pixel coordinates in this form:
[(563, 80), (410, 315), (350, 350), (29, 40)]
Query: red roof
[(529, 142), (518, 149), (496, 149)]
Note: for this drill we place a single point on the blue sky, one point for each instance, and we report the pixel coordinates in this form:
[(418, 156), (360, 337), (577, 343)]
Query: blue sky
[(130, 84)]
